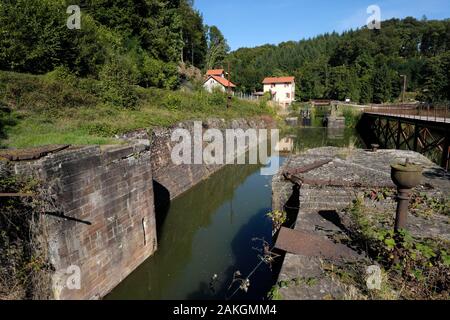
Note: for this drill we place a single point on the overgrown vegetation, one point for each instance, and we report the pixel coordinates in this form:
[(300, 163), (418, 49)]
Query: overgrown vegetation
[(424, 205), (278, 219), (362, 65), (412, 267), (274, 293), (120, 45), (61, 108), (23, 262), (352, 116)]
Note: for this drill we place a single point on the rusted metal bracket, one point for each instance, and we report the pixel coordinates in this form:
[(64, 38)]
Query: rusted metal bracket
[(310, 167), (300, 180)]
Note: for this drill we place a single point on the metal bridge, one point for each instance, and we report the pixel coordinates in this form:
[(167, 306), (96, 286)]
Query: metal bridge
[(420, 128)]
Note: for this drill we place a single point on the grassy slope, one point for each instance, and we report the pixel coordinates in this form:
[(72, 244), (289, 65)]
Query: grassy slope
[(40, 110)]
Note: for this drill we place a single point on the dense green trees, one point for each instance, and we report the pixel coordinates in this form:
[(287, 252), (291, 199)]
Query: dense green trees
[(147, 39), (363, 65), (32, 35)]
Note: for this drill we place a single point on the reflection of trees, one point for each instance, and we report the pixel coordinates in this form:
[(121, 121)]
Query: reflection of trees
[(308, 138), (188, 213), (261, 280), (193, 211)]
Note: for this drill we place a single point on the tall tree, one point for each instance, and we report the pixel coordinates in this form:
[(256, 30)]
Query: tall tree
[(194, 37), (217, 47)]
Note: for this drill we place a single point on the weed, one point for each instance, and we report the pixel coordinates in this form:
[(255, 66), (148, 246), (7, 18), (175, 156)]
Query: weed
[(23, 261), (419, 265), (58, 109), (275, 294), (278, 219)]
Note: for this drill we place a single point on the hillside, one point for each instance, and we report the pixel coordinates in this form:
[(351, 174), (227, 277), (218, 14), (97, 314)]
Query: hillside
[(58, 108), (121, 70), (364, 65)]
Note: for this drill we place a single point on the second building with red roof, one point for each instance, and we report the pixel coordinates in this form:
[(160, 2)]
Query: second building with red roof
[(282, 89)]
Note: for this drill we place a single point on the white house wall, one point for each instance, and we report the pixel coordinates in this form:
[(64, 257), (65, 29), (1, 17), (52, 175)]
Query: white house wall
[(211, 84), (282, 90)]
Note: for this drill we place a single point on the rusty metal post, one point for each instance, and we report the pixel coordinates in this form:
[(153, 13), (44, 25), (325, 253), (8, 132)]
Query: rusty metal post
[(401, 218), (406, 177)]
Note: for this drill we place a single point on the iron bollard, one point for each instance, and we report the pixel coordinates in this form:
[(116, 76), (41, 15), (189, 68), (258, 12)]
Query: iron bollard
[(406, 177), (375, 147)]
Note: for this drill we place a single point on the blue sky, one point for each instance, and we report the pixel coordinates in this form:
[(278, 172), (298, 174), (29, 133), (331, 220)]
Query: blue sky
[(248, 23)]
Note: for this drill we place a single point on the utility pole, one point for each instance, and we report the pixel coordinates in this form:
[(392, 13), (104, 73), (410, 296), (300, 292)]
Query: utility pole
[(404, 87)]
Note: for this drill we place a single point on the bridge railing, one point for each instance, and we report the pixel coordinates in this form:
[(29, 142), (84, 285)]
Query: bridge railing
[(413, 111)]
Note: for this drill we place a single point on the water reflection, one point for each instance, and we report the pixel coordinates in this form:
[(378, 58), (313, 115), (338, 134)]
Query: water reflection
[(285, 145), (335, 133), (314, 137), (211, 230), (208, 230)]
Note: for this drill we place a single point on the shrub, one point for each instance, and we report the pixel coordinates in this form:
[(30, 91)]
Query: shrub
[(44, 94), (116, 84), (265, 99), (172, 101), (352, 116), (156, 73), (217, 98), (63, 74), (101, 129)]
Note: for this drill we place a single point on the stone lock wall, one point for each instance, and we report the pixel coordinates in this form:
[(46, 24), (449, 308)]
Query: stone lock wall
[(177, 179), (98, 210), (99, 215)]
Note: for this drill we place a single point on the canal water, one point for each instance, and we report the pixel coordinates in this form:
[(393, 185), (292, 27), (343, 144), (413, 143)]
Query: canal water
[(216, 229)]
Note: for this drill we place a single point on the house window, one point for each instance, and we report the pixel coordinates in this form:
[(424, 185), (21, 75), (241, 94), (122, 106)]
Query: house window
[(288, 95), (273, 85)]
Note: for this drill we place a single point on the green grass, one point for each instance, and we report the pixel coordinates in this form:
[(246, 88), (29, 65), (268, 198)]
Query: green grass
[(352, 116), (40, 110)]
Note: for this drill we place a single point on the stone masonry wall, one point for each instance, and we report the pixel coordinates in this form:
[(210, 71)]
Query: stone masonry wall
[(98, 204), (98, 215), (178, 179)]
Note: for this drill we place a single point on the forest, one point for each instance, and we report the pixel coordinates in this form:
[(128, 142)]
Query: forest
[(131, 64), (123, 43), (362, 65), (140, 41)]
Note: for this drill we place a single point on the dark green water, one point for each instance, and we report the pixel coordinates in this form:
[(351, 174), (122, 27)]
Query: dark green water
[(211, 230)]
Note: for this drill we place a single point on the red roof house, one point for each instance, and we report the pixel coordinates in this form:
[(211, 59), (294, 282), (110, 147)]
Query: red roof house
[(215, 72), (277, 80)]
